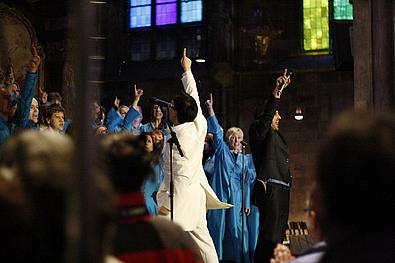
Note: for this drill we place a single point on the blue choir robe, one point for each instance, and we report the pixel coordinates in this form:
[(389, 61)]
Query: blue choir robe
[(115, 122), (6, 129), (21, 117), (151, 186), (25, 102), (225, 226)]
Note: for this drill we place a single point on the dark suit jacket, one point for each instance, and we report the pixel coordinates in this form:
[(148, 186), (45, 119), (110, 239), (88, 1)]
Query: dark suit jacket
[(269, 149)]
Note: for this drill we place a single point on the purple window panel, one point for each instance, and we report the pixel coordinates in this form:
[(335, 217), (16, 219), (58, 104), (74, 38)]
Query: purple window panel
[(166, 14)]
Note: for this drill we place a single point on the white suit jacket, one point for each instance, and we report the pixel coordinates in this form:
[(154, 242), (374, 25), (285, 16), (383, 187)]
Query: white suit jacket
[(192, 192)]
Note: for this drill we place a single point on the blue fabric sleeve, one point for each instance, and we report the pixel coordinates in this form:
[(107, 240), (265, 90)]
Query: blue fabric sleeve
[(112, 114), (26, 99), (114, 121), (131, 116), (214, 128)]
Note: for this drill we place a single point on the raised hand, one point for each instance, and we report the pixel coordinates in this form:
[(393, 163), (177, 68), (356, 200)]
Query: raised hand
[(42, 95), (186, 63), (137, 94), (281, 83), (209, 105), (36, 60), (116, 102)]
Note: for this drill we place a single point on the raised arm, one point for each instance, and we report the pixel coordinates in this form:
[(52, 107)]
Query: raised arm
[(213, 125), (209, 105), (261, 126), (188, 80), (137, 95), (28, 89)]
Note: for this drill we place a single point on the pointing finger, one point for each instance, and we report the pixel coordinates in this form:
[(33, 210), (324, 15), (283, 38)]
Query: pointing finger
[(185, 52), (211, 97)]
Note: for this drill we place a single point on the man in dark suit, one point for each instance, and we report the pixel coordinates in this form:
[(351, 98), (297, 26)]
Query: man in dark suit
[(271, 191)]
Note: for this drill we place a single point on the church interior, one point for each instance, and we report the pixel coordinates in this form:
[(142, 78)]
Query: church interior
[(340, 53)]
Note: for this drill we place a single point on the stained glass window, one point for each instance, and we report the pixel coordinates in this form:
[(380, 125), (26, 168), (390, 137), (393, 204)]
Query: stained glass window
[(342, 10), (167, 12), (140, 13), (191, 10), (315, 25)]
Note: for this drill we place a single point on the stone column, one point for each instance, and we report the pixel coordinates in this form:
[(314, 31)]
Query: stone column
[(373, 51)]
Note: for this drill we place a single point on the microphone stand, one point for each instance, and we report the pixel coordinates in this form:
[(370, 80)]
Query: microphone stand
[(171, 141), (242, 203)]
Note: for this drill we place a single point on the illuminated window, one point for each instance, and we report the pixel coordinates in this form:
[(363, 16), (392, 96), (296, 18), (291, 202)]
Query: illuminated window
[(140, 13), (342, 10), (315, 25), (167, 12), (191, 11), (316, 22)]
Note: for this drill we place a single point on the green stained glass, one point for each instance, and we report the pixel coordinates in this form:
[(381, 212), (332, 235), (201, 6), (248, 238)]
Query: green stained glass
[(342, 10), (315, 25)]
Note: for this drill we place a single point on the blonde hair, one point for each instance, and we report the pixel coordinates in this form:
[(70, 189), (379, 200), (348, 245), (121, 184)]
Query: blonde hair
[(232, 131)]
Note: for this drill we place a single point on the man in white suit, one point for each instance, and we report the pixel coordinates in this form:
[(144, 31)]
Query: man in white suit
[(192, 193)]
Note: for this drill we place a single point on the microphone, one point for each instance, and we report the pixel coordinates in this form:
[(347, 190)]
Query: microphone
[(160, 102), (283, 86), (244, 143)]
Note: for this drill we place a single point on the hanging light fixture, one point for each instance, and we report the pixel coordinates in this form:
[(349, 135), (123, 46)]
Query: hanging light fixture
[(200, 60), (298, 113)]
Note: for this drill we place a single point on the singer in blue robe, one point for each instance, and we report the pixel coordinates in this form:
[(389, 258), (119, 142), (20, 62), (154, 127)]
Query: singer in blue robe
[(152, 183), (151, 186), (117, 123), (225, 226)]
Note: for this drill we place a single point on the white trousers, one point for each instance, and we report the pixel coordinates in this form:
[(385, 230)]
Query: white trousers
[(202, 238)]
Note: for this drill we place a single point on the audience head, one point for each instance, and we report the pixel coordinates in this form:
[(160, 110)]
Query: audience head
[(157, 113), (123, 110), (354, 173), (157, 137), (276, 120), (36, 178), (54, 98), (234, 137), (148, 141), (55, 117), (34, 111), (184, 109), (126, 161)]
